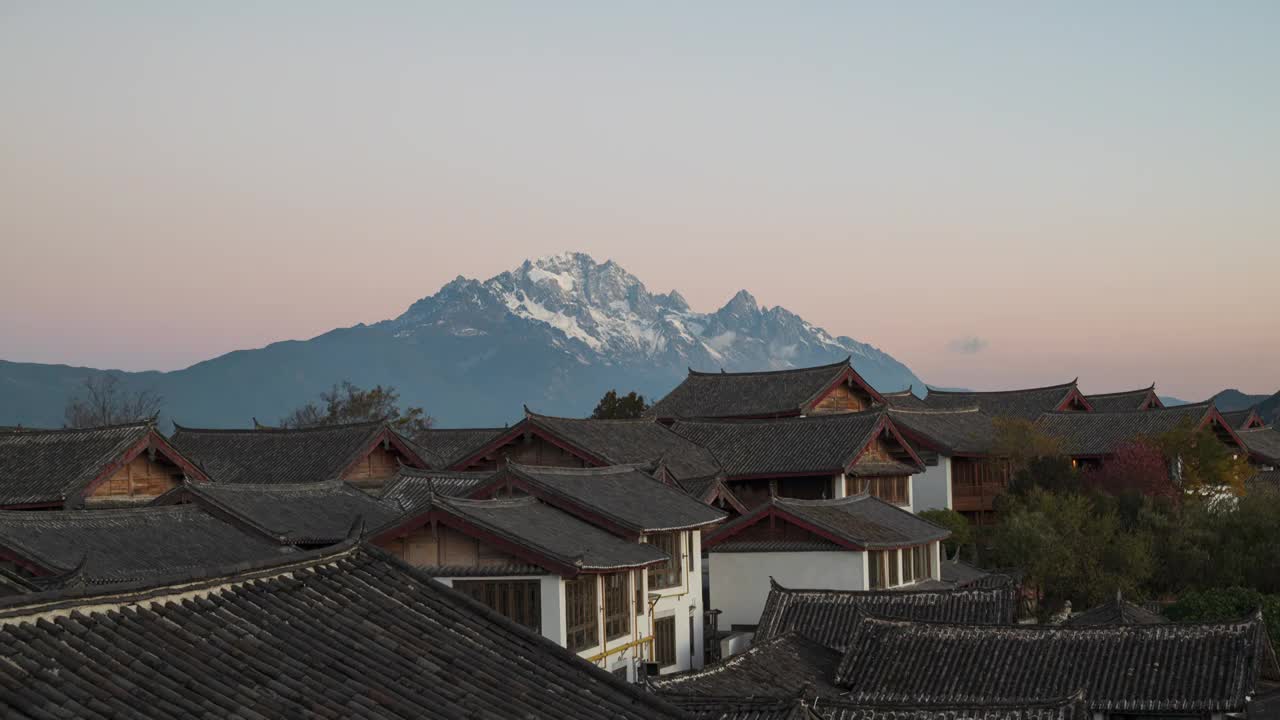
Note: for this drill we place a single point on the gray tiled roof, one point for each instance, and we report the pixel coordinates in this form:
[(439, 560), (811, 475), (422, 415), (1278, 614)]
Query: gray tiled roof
[(817, 444), (631, 442), (780, 666), (54, 466), (444, 445), (271, 455), (1116, 611), (111, 546), (1171, 668), (621, 494), (705, 707), (1096, 434), (830, 617), (1240, 419), (296, 514), (1027, 403), (904, 400), (833, 708), (412, 486), (350, 634), (859, 520), (555, 536), (961, 431), (773, 393), (1125, 400), (1263, 442)]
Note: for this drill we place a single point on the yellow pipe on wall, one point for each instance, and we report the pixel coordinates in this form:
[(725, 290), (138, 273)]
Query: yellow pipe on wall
[(620, 648)]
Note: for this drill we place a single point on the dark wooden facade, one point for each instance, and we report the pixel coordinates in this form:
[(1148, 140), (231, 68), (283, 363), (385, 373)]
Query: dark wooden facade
[(975, 484)]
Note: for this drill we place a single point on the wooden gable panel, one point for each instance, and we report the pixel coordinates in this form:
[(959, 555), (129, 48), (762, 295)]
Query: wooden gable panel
[(446, 547), (777, 529), (531, 450), (139, 480), (376, 468), (842, 398)]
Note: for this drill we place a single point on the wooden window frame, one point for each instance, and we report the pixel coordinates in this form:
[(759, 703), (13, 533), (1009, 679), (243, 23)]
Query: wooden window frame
[(664, 641), (581, 613), (671, 573), (876, 570), (520, 601), (617, 610)]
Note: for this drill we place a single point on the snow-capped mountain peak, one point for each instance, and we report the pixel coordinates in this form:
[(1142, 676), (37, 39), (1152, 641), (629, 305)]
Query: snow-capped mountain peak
[(600, 314)]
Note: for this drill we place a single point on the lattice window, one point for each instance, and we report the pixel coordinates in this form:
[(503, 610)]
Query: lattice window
[(668, 574), (617, 610), (664, 641), (518, 600), (582, 619)]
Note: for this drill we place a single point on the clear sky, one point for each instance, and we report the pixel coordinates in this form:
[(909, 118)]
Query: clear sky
[(998, 193)]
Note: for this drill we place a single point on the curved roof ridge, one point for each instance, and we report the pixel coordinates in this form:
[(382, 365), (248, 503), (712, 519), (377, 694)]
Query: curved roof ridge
[(259, 487), (531, 415), (820, 417), (264, 430), (822, 502), (937, 411), (522, 501), (1064, 386), (424, 473), (151, 423), (897, 592), (848, 360), (1135, 391), (908, 390), (95, 514), (1247, 619), (614, 469), (1204, 404), (1272, 426)]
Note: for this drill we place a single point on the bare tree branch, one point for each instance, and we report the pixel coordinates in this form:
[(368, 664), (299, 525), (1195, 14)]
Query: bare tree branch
[(104, 402)]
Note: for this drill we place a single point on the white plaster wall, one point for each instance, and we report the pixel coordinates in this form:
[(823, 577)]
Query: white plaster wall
[(740, 581), (685, 602), (931, 490)]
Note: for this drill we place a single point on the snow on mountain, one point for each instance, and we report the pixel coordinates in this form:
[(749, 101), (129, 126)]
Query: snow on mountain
[(601, 314), (554, 333)]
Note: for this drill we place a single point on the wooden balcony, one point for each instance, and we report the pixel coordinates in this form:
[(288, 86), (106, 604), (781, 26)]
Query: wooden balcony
[(976, 498)]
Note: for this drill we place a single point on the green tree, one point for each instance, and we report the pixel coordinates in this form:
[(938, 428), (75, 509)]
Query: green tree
[(962, 535), (619, 407), (1202, 462), (348, 403), (1228, 604), (1021, 441), (1071, 547), (1050, 472)]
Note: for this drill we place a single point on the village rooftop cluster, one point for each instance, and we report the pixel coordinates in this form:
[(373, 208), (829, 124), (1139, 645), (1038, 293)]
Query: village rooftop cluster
[(752, 549)]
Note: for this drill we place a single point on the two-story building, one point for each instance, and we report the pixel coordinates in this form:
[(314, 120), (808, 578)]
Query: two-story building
[(853, 543), (604, 561), (814, 457), (1089, 439), (962, 472)]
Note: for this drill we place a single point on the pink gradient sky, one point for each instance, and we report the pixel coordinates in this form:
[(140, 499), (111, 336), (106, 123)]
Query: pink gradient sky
[(1092, 190)]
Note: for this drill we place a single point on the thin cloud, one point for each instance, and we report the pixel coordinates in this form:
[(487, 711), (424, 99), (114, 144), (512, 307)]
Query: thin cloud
[(971, 345)]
